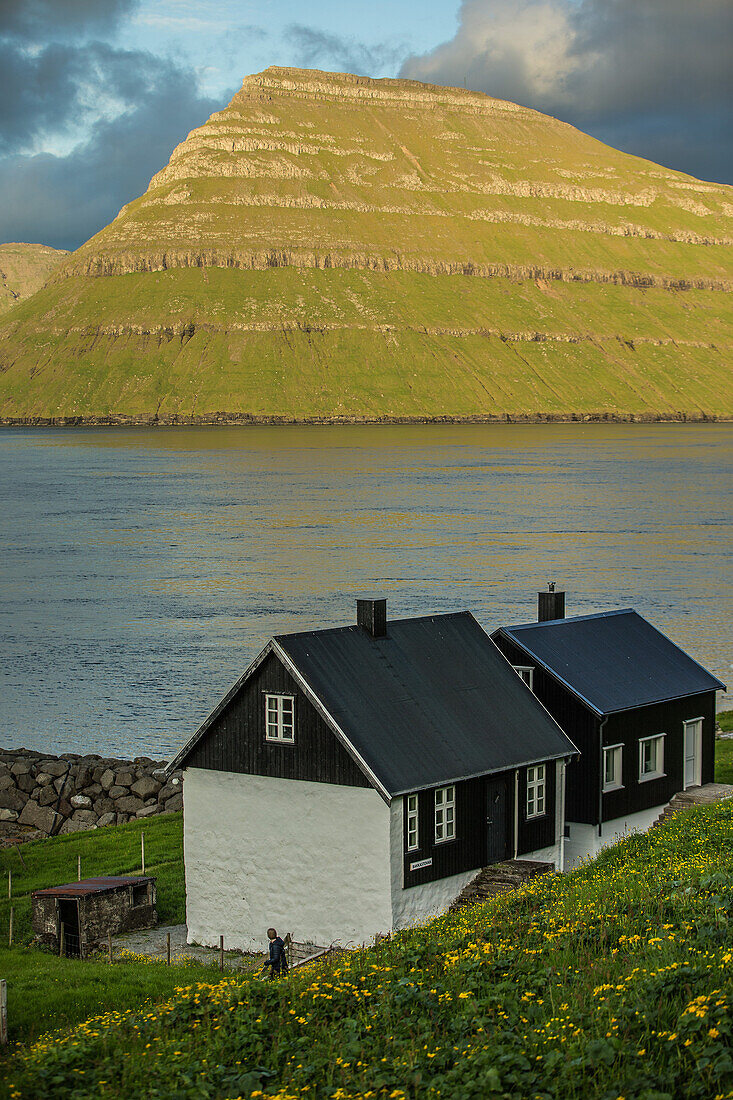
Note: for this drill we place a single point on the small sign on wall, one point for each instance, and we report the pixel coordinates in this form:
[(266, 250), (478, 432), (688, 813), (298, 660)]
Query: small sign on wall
[(420, 864)]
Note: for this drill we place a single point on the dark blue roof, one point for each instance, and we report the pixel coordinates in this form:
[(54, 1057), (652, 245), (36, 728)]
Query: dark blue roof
[(613, 661), (432, 702)]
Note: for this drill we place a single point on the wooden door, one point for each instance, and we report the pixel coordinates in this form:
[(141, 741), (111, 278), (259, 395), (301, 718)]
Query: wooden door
[(693, 743), (496, 815)]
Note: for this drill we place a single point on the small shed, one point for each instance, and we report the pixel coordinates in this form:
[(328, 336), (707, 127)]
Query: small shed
[(87, 911)]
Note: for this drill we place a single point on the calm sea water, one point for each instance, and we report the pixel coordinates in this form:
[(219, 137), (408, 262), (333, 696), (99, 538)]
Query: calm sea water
[(142, 570)]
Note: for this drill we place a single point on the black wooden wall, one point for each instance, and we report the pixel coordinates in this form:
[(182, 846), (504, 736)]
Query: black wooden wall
[(235, 742), (469, 849)]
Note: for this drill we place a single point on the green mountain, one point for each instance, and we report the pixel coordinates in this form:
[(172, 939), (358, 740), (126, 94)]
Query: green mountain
[(334, 247), (24, 269)]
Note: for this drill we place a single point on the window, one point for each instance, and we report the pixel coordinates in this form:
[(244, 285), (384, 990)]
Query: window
[(612, 763), (280, 718), (412, 828), (445, 814), (536, 790), (651, 757), (140, 894), (527, 674)]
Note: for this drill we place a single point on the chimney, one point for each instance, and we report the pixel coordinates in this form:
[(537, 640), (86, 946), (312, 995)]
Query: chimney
[(371, 615), (550, 604)]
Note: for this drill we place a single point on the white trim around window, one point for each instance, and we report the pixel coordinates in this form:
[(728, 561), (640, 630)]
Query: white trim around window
[(536, 791), (526, 673), (412, 831), (445, 814), (280, 718), (613, 756), (651, 757)]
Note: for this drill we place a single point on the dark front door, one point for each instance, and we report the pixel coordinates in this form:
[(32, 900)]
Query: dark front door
[(69, 922), (496, 830)]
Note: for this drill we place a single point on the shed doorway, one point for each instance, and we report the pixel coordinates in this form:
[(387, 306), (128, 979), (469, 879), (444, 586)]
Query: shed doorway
[(69, 921), (693, 746), (496, 833)]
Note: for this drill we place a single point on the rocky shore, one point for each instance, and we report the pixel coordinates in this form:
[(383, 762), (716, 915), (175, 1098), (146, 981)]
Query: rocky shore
[(44, 795)]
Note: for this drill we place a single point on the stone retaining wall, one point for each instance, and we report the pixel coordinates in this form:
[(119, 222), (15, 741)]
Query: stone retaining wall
[(70, 793)]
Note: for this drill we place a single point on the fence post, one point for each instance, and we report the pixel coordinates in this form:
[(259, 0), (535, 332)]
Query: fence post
[(62, 940), (10, 928), (3, 1011), (221, 952), (10, 883), (78, 868), (168, 947), (142, 848), (109, 946)]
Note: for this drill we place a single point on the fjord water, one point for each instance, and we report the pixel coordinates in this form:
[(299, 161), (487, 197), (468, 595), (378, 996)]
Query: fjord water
[(143, 569)]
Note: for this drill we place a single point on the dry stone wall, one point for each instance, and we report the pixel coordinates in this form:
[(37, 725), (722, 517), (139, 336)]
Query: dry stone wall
[(70, 793)]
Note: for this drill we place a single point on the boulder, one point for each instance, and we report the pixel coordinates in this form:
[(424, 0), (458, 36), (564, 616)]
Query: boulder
[(55, 767), (64, 808), (40, 817), (106, 819), (104, 806), (122, 819), (43, 779), (83, 776), (12, 799), (117, 791), (65, 786), (81, 802), (26, 782), (167, 792), (148, 811), (21, 767), (124, 779), (85, 815), (145, 787), (107, 779), (6, 782), (46, 796), (174, 804), (93, 790), (72, 826), (8, 815), (159, 774), (129, 804)]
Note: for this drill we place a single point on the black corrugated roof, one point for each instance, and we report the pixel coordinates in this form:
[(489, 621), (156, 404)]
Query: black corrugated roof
[(432, 702), (613, 661)]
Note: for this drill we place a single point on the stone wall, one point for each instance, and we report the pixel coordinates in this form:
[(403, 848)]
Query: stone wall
[(47, 794)]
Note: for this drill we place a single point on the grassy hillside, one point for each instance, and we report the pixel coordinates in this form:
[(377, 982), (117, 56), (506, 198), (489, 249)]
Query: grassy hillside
[(330, 246), (24, 269), (612, 981)]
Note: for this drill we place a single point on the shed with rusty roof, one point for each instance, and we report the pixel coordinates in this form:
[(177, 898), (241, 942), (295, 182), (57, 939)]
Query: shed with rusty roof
[(76, 917)]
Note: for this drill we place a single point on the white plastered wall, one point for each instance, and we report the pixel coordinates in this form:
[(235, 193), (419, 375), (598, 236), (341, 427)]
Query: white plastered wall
[(585, 843), (306, 858), (418, 903)]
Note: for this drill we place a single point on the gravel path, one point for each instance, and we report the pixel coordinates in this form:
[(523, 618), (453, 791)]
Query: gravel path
[(152, 943)]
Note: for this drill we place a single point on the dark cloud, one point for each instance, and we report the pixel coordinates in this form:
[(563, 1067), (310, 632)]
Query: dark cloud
[(653, 77), (63, 200), (315, 49), (45, 20)]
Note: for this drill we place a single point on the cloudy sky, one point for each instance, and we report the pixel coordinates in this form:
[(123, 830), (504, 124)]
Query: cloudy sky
[(94, 94)]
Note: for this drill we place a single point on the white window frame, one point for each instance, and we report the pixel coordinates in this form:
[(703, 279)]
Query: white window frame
[(525, 673), (445, 814), (659, 772), (615, 784), (536, 791), (280, 719), (412, 829)]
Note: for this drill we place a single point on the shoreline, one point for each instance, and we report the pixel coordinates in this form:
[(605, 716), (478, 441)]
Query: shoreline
[(249, 420)]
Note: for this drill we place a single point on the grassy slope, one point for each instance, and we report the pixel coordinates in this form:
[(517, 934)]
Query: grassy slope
[(302, 344), (612, 981), (24, 269), (308, 171)]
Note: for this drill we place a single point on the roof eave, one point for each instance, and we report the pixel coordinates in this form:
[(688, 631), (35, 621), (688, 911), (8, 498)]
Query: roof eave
[(491, 771)]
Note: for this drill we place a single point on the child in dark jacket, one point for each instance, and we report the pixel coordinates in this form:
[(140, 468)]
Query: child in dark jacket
[(278, 960)]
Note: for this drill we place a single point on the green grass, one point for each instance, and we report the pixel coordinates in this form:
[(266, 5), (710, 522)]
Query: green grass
[(613, 981), (724, 750)]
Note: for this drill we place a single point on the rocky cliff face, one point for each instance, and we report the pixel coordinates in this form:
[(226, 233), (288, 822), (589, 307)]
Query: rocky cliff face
[(334, 247), (24, 268)]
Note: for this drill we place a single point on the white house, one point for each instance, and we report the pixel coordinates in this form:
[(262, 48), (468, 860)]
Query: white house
[(355, 780)]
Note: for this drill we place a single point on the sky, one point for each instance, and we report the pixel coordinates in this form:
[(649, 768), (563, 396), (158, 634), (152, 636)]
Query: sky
[(95, 94)]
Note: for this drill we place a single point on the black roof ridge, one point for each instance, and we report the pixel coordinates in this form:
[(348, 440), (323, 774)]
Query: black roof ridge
[(390, 621), (581, 619)]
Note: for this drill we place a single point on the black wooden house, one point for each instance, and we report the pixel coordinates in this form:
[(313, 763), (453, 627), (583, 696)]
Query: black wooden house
[(641, 711), (422, 717)]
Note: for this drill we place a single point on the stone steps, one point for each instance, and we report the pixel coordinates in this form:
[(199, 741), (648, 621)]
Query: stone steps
[(694, 796), (499, 878)]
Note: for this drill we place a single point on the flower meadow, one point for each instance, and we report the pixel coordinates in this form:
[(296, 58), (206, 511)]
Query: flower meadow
[(615, 982)]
